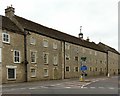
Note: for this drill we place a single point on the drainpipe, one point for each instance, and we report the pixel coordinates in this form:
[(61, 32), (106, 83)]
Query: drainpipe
[(25, 55), (107, 65), (64, 59)]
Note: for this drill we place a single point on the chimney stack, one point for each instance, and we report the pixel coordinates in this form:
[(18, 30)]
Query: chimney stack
[(9, 12)]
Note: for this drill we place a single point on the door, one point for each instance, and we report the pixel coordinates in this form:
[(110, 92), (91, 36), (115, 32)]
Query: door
[(55, 73)]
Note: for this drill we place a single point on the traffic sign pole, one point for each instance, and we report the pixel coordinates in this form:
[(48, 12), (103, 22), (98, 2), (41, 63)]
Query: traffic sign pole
[(83, 68)]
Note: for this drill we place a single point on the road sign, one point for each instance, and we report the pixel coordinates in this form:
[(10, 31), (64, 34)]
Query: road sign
[(83, 68)]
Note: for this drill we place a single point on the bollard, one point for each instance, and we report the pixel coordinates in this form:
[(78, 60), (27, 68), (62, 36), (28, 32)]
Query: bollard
[(108, 75), (81, 78)]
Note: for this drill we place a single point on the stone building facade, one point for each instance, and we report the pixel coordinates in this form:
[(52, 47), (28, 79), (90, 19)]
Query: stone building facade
[(32, 52), (112, 59)]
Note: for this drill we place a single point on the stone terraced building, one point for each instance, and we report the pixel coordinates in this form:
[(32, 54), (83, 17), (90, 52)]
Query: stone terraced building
[(32, 52)]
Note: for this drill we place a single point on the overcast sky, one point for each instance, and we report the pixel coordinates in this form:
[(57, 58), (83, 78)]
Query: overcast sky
[(98, 18)]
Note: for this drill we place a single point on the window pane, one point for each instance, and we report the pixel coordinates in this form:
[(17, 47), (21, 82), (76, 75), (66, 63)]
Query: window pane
[(67, 68), (45, 57), (11, 73), (76, 69), (33, 72), (5, 37), (55, 60), (45, 43), (33, 57), (45, 72), (17, 56), (32, 40), (54, 45)]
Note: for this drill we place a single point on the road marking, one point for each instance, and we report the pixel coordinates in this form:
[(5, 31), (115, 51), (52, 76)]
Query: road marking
[(58, 84), (101, 87), (32, 88), (92, 87), (111, 88), (43, 87), (52, 85), (67, 87), (12, 89), (22, 88), (84, 87), (96, 80)]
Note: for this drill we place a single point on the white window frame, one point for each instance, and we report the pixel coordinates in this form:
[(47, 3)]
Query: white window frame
[(76, 59), (55, 45), (47, 58), (35, 56), (66, 70), (46, 74), (67, 46), (90, 69), (7, 38), (11, 67), (55, 59), (32, 72), (45, 42), (32, 41), (67, 56), (14, 56), (75, 69)]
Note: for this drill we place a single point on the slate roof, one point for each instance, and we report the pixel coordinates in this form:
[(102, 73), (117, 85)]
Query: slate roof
[(7, 24), (40, 29), (108, 48)]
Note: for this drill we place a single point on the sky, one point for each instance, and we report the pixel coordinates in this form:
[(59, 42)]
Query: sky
[(98, 18)]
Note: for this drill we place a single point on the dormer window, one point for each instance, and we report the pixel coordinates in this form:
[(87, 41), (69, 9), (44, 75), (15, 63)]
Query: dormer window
[(5, 37)]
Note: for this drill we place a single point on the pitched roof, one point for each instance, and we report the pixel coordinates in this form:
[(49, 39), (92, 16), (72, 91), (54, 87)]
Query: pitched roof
[(40, 29), (108, 48), (7, 24)]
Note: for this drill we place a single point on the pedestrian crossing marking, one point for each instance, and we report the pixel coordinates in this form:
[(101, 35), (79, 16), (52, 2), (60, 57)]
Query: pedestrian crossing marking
[(92, 87)]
